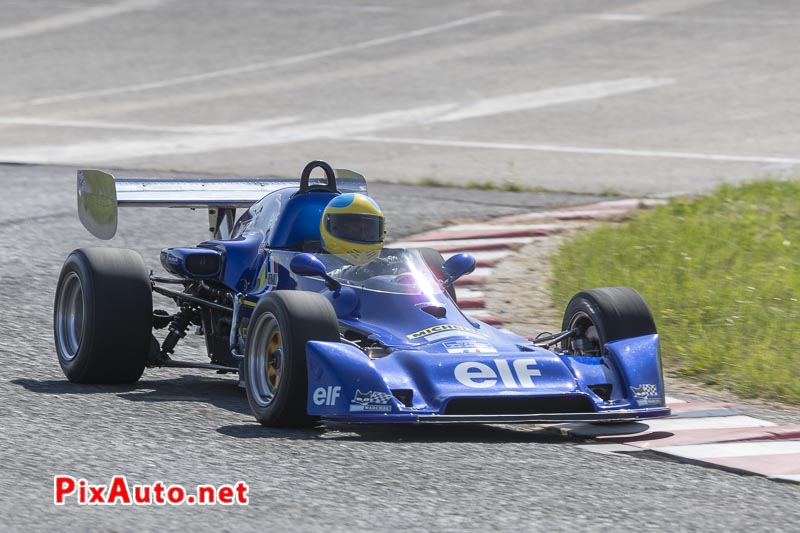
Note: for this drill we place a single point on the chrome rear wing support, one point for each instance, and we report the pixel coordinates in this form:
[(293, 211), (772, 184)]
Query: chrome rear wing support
[(221, 221), (100, 195)]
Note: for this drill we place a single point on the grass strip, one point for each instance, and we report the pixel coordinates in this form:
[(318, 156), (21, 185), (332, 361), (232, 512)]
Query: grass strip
[(722, 276)]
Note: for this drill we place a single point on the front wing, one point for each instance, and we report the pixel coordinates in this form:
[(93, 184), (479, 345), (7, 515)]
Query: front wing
[(418, 387)]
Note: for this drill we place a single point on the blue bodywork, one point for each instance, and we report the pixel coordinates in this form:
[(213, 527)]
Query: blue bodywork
[(433, 363)]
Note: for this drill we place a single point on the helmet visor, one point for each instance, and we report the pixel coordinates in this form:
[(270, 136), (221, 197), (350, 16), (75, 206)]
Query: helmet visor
[(355, 227)]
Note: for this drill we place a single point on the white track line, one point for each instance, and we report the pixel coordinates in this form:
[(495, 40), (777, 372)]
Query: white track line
[(450, 143), (118, 149), (327, 7), (795, 478), (670, 399), (129, 126), (74, 18), (732, 449), (664, 424), (494, 227), (619, 17), (266, 65), (674, 424), (553, 96), (567, 215), (461, 242), (347, 127)]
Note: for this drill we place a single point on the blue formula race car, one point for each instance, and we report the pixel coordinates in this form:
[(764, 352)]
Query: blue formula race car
[(301, 298)]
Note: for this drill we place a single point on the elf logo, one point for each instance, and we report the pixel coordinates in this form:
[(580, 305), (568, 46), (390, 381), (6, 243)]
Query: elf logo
[(482, 375), (327, 395)]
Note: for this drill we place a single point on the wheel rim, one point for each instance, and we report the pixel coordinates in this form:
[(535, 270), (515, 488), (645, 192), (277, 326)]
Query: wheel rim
[(588, 341), (265, 360), (70, 313)]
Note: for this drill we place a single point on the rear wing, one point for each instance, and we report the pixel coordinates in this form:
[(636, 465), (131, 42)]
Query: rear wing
[(100, 195)]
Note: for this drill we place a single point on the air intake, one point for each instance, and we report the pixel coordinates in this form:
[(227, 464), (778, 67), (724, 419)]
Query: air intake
[(575, 403)]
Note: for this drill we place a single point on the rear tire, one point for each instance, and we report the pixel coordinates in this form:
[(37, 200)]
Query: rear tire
[(275, 371), (102, 318), (605, 315)]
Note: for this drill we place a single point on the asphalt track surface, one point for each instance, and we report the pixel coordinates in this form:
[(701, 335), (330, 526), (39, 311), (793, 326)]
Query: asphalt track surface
[(194, 427), (638, 97)]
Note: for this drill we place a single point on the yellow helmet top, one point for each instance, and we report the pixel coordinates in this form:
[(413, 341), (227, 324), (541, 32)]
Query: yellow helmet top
[(352, 227)]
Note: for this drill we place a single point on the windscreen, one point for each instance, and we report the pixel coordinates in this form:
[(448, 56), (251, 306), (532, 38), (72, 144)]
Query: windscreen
[(395, 270)]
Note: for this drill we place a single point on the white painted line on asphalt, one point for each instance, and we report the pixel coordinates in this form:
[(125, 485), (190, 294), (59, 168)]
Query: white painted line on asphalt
[(321, 6), (74, 18), (553, 96), (654, 8), (619, 17), (665, 425), (675, 424), (795, 478), (733, 449), (347, 127), (129, 126), (266, 65), (590, 213), (670, 399), (117, 149), (466, 243), (493, 227), (584, 429), (451, 143), (599, 210)]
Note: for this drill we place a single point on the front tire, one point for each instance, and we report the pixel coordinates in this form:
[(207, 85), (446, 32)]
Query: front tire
[(102, 318), (605, 315), (276, 376)]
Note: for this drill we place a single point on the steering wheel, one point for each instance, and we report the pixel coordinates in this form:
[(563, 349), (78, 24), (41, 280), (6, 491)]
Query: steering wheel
[(406, 278)]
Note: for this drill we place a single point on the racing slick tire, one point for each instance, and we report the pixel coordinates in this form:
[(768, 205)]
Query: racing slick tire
[(275, 372), (605, 315), (434, 260), (102, 317)]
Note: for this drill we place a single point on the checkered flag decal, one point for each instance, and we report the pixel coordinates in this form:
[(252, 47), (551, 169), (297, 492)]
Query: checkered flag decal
[(380, 397), (649, 389)]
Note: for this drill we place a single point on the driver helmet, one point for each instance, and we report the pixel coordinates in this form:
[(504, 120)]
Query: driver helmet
[(352, 228)]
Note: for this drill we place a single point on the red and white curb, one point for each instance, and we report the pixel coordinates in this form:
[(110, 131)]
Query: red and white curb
[(495, 240), (711, 434)]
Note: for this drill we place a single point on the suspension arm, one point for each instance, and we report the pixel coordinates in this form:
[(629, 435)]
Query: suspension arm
[(189, 298), (555, 338)]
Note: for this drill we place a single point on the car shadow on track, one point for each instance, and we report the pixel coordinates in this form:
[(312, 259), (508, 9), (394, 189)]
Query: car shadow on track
[(219, 392), (225, 394), (482, 433)]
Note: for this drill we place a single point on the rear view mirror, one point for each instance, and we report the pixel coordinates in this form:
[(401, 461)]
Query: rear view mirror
[(310, 266), (457, 266), (307, 265)]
